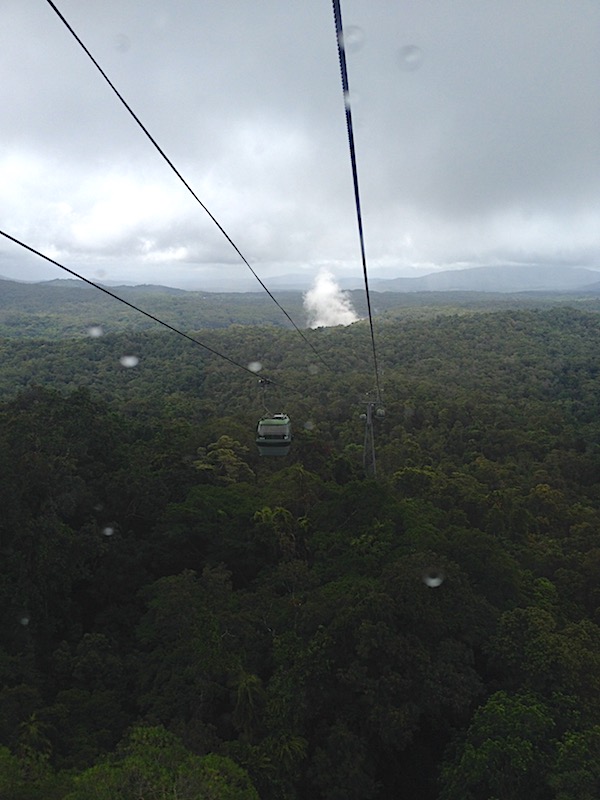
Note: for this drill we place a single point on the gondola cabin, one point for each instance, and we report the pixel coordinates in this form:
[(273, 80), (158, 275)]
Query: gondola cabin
[(274, 435)]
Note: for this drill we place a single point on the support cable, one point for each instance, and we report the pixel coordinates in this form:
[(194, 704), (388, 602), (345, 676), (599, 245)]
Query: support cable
[(182, 179), (337, 13)]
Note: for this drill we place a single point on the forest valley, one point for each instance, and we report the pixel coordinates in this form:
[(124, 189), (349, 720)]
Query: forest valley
[(181, 618)]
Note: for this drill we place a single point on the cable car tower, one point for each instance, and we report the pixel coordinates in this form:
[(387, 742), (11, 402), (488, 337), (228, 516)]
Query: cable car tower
[(374, 410)]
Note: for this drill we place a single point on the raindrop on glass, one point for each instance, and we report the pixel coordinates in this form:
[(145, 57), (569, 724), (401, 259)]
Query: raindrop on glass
[(353, 38), (309, 425), (410, 58), (129, 361), (433, 577), (350, 99), (122, 43), (255, 366), (313, 369), (95, 331), (24, 620), (108, 531)]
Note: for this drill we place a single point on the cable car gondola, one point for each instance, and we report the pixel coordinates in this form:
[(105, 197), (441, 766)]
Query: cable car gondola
[(274, 435)]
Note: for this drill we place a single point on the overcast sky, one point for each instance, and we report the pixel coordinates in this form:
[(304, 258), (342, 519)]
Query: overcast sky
[(477, 128)]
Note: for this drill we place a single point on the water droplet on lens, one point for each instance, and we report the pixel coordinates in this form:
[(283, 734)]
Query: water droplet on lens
[(350, 99), (24, 620), (353, 38), (108, 531), (95, 331), (313, 369), (433, 577), (129, 361), (255, 366), (410, 58), (309, 425), (122, 43)]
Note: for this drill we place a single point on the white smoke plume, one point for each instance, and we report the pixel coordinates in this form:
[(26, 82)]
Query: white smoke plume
[(326, 304)]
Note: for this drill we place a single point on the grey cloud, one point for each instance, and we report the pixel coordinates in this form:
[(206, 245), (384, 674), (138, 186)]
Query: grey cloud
[(487, 146)]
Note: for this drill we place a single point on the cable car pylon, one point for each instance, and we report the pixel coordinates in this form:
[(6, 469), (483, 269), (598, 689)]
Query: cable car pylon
[(374, 410)]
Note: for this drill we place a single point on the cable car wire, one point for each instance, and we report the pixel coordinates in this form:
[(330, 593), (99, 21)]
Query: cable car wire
[(337, 13), (182, 179), (140, 310)]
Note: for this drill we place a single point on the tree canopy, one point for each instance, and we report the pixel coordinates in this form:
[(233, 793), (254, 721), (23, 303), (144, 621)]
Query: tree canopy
[(183, 618)]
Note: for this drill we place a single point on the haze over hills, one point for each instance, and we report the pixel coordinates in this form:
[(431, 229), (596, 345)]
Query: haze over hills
[(506, 278), (496, 279), (503, 278)]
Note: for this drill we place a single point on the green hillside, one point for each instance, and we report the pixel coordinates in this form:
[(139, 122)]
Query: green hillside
[(69, 309)]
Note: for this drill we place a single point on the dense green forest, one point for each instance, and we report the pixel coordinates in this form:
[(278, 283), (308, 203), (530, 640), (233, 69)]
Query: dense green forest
[(183, 619)]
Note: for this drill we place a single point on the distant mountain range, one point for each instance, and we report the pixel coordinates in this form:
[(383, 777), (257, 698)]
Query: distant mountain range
[(498, 279), (503, 279)]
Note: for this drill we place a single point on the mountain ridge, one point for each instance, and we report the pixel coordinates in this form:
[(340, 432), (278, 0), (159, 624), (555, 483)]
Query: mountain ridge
[(496, 278), (507, 278)]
